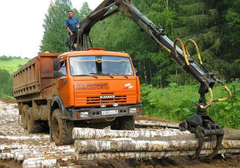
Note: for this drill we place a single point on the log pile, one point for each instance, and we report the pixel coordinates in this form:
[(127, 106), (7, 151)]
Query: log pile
[(33, 150), (91, 144)]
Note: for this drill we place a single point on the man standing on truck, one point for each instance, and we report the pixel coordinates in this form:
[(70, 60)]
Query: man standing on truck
[(71, 26)]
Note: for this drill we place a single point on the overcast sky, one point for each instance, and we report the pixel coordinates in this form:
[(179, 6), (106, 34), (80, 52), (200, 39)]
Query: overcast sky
[(21, 25)]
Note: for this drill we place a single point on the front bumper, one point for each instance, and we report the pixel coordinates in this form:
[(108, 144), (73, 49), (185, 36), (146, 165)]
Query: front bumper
[(97, 113)]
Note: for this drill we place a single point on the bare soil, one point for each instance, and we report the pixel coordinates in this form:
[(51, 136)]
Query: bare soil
[(9, 164), (175, 162), (10, 125)]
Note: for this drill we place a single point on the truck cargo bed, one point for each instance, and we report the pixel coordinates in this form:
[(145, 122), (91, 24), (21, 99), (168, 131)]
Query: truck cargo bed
[(35, 79)]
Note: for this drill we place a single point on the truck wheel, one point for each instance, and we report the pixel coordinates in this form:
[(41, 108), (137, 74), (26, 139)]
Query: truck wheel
[(115, 125), (24, 116), (127, 123), (61, 129), (124, 123), (33, 126), (20, 109)]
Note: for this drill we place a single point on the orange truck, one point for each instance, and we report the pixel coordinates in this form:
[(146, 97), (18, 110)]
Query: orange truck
[(92, 88)]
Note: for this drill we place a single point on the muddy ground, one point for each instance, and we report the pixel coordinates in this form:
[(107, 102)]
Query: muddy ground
[(10, 126)]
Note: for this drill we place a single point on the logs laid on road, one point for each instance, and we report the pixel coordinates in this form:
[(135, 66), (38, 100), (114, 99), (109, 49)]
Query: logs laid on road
[(112, 144), (33, 147), (26, 138), (162, 134), (20, 155), (232, 134), (88, 133), (139, 155), (39, 162), (6, 156), (130, 145), (20, 152)]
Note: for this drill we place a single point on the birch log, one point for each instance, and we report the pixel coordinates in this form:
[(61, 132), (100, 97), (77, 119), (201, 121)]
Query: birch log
[(140, 155), (232, 134), (88, 133), (26, 138), (20, 152), (6, 156), (21, 155), (111, 144), (130, 145), (39, 162)]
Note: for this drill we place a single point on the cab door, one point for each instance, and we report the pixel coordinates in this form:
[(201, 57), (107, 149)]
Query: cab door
[(63, 84)]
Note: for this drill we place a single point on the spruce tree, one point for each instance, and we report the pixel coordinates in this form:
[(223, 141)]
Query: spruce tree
[(202, 21), (54, 27)]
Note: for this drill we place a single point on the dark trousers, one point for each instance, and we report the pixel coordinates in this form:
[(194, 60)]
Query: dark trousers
[(73, 40)]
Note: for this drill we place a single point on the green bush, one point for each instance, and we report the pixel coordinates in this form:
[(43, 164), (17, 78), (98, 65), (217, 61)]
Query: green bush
[(5, 58), (6, 83), (179, 102)]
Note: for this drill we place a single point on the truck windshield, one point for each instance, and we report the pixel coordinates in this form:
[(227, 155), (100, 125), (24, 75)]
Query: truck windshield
[(100, 65)]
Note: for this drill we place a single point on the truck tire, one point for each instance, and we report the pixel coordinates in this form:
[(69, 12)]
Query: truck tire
[(61, 129), (124, 123), (127, 123), (24, 116), (33, 126), (20, 109)]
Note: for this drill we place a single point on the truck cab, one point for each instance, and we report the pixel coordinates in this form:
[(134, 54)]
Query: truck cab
[(97, 88), (96, 78)]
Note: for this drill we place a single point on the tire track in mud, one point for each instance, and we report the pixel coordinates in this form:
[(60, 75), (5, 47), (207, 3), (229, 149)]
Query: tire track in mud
[(19, 149)]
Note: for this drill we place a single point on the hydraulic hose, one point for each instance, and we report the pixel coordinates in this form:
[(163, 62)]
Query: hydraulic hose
[(178, 40), (227, 98), (159, 43), (210, 101), (186, 54), (196, 48)]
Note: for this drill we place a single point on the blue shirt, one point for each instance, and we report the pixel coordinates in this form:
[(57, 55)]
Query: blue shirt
[(71, 23)]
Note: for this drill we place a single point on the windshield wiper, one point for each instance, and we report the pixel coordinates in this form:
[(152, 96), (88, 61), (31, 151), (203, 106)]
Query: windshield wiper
[(120, 75), (110, 75), (95, 76)]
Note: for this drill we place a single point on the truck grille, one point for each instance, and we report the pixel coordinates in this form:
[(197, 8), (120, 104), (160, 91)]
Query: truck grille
[(97, 100)]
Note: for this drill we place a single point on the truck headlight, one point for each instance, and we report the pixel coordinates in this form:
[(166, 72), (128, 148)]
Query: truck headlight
[(103, 105), (133, 110), (115, 104), (84, 114)]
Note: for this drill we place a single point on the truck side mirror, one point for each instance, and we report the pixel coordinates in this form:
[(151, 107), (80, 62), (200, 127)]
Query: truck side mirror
[(56, 65), (58, 74)]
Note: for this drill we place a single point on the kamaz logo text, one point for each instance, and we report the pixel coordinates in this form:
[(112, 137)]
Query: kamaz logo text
[(107, 97)]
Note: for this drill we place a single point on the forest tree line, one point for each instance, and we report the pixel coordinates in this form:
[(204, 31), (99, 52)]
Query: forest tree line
[(214, 25)]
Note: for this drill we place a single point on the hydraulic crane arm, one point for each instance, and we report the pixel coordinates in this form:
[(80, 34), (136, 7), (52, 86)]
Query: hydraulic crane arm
[(200, 123)]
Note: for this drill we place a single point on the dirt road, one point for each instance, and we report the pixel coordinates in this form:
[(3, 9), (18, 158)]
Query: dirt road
[(17, 148)]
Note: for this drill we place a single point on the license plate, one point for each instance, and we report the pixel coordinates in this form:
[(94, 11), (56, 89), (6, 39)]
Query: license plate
[(109, 112)]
